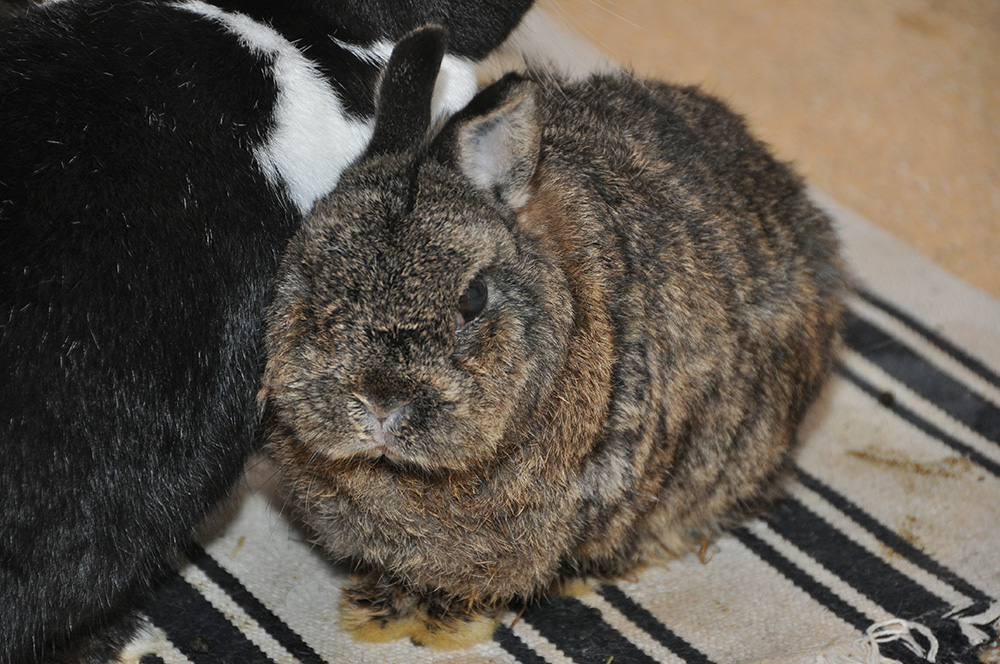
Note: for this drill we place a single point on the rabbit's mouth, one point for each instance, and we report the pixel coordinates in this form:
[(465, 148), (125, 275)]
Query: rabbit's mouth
[(381, 421), (386, 445), (413, 431)]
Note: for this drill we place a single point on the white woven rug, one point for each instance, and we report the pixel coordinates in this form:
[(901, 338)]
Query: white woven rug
[(886, 548)]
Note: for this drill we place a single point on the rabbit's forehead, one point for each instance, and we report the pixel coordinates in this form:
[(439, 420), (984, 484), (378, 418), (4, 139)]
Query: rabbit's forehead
[(409, 270), (396, 248), (444, 238), (431, 258)]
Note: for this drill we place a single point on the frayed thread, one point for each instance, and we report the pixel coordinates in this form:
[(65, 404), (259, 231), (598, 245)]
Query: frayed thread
[(867, 650), (978, 629)]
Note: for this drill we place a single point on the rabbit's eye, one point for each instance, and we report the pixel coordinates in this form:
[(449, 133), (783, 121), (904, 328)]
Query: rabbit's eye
[(472, 301)]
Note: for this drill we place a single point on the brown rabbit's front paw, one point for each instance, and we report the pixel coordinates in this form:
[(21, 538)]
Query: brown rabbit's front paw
[(373, 609)]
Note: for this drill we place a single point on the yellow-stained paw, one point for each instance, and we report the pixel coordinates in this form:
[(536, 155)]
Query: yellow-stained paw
[(365, 624), (457, 633), (373, 612)]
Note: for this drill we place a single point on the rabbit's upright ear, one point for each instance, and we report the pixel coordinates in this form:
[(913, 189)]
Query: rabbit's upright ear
[(498, 146), (403, 113)]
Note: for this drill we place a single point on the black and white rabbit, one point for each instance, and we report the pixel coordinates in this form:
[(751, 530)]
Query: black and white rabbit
[(156, 156)]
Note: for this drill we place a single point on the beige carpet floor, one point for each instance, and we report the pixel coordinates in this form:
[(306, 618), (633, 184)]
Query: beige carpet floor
[(890, 106)]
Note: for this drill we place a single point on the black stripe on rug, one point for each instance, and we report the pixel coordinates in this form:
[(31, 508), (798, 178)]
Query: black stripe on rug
[(648, 623), (909, 368), (274, 626), (920, 423), (580, 632), (966, 360), (891, 539), (151, 659), (196, 628), (868, 574), (803, 580), (510, 642)]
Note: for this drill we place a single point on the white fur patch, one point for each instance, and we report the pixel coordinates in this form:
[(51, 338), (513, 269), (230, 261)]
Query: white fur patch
[(313, 140), (455, 87), (377, 54)]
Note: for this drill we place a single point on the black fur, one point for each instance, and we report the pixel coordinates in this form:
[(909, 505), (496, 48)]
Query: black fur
[(11, 7), (138, 239), (414, 65)]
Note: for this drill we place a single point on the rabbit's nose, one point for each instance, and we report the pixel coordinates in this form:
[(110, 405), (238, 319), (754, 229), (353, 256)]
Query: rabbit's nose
[(384, 414)]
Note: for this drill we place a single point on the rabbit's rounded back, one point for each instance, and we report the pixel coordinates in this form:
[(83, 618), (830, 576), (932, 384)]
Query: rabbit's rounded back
[(661, 306)]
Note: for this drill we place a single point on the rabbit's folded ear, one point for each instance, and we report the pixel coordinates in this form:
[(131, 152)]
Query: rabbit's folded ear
[(403, 115), (498, 148)]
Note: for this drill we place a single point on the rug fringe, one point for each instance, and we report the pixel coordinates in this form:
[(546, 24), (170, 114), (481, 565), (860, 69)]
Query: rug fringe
[(978, 629)]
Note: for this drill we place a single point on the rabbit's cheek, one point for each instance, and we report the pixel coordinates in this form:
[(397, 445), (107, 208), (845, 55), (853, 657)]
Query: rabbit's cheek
[(494, 360), (331, 437), (439, 440), (489, 341)]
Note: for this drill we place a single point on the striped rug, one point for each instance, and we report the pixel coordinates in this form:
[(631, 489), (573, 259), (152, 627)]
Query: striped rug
[(886, 548)]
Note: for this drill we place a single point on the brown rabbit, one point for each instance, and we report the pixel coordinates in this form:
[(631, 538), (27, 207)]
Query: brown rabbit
[(579, 323)]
